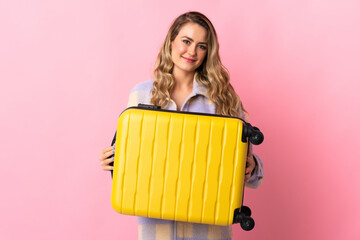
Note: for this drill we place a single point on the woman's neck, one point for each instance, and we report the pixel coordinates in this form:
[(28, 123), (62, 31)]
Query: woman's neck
[(183, 80)]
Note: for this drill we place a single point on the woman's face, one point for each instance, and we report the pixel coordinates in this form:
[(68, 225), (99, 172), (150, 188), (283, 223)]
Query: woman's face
[(189, 48)]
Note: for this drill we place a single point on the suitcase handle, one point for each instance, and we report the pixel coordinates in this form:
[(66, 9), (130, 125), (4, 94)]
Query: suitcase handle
[(147, 106)]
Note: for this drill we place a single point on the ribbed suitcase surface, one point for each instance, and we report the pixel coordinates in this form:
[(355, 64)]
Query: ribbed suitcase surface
[(178, 166)]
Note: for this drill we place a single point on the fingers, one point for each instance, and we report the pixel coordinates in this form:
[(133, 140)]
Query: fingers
[(247, 174), (105, 164), (250, 166), (105, 158), (107, 149), (248, 171), (106, 153)]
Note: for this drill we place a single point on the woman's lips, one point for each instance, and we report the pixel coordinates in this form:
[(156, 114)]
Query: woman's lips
[(188, 59)]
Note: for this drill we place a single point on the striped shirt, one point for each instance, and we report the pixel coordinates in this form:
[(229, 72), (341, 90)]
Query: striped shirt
[(156, 229)]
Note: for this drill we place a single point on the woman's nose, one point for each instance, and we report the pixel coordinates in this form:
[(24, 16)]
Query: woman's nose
[(192, 50)]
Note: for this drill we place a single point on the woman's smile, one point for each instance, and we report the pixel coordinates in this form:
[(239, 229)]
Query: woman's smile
[(189, 59)]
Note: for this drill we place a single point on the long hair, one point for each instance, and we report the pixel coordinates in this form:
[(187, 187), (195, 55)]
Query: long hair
[(210, 74)]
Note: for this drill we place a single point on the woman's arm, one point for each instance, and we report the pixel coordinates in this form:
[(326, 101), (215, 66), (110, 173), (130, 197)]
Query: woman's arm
[(257, 173)]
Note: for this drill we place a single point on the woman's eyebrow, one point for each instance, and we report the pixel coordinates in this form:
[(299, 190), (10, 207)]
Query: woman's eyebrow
[(190, 39)]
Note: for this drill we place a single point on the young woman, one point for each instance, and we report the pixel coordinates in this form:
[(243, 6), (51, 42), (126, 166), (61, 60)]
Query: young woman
[(189, 76)]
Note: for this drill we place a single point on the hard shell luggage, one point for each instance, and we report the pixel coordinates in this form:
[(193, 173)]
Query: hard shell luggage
[(182, 166)]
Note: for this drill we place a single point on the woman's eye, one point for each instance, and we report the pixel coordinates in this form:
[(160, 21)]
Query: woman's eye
[(202, 47), (186, 41)]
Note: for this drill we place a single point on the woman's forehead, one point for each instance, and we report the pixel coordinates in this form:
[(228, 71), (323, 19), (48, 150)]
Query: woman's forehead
[(193, 31)]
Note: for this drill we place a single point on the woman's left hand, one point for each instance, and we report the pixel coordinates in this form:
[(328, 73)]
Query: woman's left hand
[(250, 165)]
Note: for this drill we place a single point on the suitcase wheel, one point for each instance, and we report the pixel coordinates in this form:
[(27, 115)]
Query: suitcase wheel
[(246, 210), (247, 223), (254, 134), (242, 216), (256, 137)]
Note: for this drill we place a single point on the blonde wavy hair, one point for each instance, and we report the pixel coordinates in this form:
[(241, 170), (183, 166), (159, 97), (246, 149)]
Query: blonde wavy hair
[(210, 74)]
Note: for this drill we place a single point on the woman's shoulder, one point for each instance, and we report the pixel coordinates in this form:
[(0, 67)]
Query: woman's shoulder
[(141, 93), (143, 86)]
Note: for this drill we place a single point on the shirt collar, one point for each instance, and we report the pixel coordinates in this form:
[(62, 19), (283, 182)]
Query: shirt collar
[(199, 89)]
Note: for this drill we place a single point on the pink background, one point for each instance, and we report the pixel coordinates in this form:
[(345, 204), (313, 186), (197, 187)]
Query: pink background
[(66, 68)]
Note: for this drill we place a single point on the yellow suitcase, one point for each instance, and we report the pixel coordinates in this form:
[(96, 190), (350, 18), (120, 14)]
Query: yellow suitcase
[(181, 166)]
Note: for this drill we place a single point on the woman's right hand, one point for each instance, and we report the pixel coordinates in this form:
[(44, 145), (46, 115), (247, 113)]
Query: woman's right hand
[(105, 160)]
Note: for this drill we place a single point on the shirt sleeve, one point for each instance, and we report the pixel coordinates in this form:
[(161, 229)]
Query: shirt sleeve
[(258, 173), (133, 99), (141, 93)]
